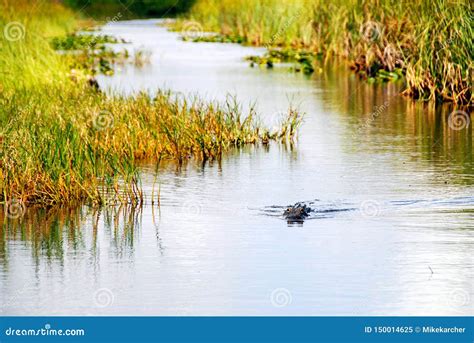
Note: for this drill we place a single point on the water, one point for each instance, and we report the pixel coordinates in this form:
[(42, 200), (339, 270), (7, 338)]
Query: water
[(392, 184)]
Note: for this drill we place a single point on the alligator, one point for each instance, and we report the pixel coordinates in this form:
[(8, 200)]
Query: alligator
[(297, 212), (306, 210)]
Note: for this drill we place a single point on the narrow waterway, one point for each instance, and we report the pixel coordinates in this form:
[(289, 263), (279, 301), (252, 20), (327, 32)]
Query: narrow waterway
[(392, 183)]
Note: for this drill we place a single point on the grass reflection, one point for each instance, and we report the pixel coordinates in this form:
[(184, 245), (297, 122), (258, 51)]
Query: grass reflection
[(381, 121), (53, 233)]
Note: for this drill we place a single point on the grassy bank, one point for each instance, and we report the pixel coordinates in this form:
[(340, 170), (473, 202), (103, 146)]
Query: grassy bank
[(427, 42), (63, 142)]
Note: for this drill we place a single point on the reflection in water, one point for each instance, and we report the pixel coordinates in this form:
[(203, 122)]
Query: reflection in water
[(382, 121), (391, 234), (91, 241), (43, 231), (52, 233)]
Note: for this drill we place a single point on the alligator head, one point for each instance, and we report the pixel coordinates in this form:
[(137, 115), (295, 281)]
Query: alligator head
[(297, 213)]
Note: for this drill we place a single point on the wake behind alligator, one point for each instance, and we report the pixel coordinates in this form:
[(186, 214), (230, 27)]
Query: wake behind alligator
[(316, 209)]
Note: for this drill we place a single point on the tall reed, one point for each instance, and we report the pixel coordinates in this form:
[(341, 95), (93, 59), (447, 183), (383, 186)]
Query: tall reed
[(63, 142), (429, 42)]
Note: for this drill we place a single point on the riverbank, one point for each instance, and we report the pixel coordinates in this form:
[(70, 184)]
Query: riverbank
[(63, 141), (429, 44)]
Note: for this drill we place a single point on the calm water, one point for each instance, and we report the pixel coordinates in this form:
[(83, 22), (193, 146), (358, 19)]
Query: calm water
[(391, 182)]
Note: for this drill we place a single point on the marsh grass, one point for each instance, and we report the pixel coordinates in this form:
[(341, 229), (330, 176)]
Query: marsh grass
[(428, 42), (64, 142), (81, 144)]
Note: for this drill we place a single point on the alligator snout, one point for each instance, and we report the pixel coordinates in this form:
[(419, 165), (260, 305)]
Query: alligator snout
[(297, 213)]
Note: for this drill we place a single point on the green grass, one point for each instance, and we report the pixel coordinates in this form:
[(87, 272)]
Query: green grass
[(63, 142), (91, 53), (82, 41), (428, 42)]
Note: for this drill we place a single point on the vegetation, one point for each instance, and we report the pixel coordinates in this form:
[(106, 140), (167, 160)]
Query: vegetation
[(211, 38), (428, 42), (304, 61), (91, 53), (82, 42), (62, 141)]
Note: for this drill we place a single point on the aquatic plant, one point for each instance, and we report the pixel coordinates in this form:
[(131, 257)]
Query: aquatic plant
[(76, 41), (141, 58), (304, 61), (212, 38), (429, 43), (64, 142), (92, 53)]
